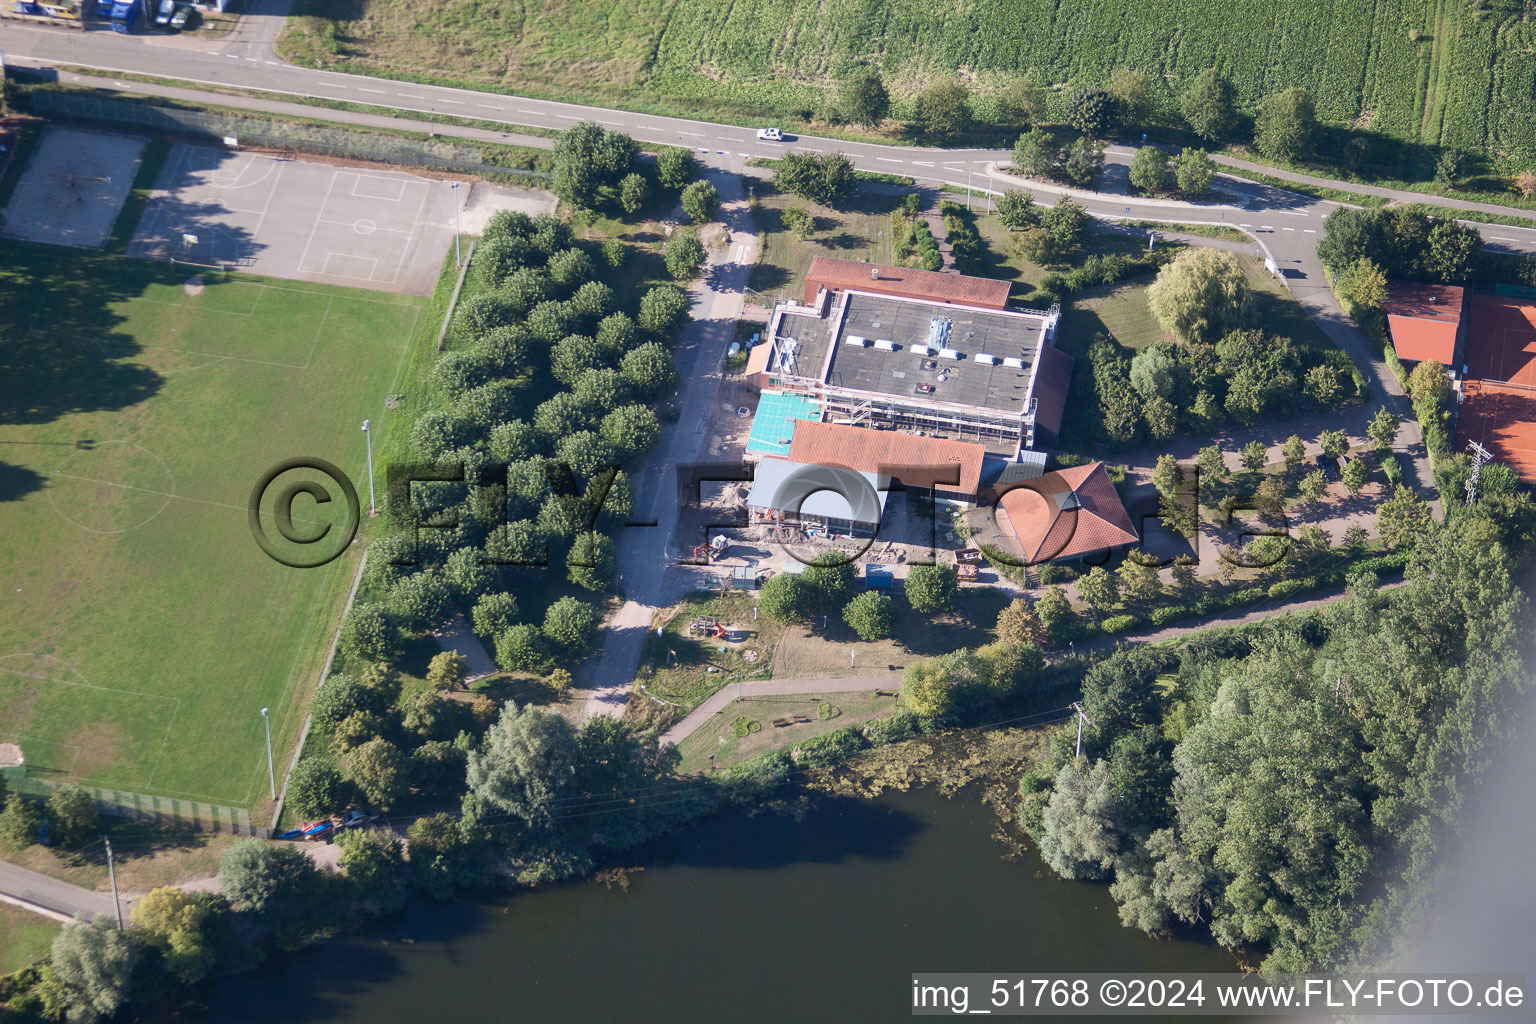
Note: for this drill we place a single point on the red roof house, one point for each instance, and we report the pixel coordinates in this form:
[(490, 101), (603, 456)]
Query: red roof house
[(1065, 513), (1424, 320), (852, 275)]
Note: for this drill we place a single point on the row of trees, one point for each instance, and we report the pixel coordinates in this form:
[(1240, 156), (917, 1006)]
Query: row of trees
[(539, 490), (1285, 791), (67, 819), (829, 586), (1395, 242)]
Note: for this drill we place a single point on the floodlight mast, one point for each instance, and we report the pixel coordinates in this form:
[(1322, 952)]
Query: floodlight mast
[(373, 507)]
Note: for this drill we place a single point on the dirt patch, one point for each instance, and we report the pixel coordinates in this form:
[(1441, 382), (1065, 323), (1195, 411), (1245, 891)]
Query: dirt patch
[(100, 743), (193, 286)]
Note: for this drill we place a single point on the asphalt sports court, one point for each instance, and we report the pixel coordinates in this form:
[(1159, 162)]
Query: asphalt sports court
[(1498, 406), (279, 217)]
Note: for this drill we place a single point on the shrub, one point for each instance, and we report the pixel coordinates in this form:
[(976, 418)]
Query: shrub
[(932, 588), (571, 624), (699, 201), (316, 789), (871, 615), (1118, 623), (1168, 613)]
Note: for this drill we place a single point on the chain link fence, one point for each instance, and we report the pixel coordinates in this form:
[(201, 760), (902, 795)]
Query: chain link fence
[(258, 131)]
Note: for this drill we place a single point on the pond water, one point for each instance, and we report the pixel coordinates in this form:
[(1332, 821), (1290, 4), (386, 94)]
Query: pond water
[(745, 918)]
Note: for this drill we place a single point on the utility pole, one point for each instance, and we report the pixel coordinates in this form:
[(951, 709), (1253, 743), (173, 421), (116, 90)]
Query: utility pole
[(112, 874), (271, 772), (457, 262), (373, 505), (1081, 718), (968, 188)]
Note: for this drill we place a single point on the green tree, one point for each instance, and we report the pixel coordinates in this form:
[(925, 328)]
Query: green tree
[(1255, 456), (1132, 93), (316, 789), (1038, 153), (684, 255), (350, 733), (526, 766), (631, 430), (1356, 475), (1403, 519), (827, 178), (1286, 124), (944, 108), (1363, 286), (799, 221), (1055, 612), (262, 878), (93, 962), (926, 691), (446, 671), (1209, 106), (650, 370), (1066, 222), (1382, 430), (1450, 165), (1100, 588), (593, 561), (1201, 294), (1016, 209), (1453, 250), (19, 822), (571, 624), (587, 158), (932, 588), (1294, 451), (871, 615), (1321, 384), (1021, 102), (1018, 624), (493, 613), (570, 269), (615, 252), (72, 817), (374, 862), (700, 200), (381, 772), (1194, 171), (1150, 170), (830, 580), (676, 166), (634, 192), (1091, 111), (661, 309), (426, 716), (615, 335), (182, 926), (1313, 486), (1211, 462), (1167, 475), (1083, 162), (784, 599), (441, 855), (862, 97), (1429, 386), (1082, 829), (369, 633), (1334, 442), (520, 647), (1137, 578)]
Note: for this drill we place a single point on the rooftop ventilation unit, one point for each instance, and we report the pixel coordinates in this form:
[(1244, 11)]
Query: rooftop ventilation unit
[(948, 353), (922, 350), (1013, 361), (886, 345), (986, 360), (854, 339)]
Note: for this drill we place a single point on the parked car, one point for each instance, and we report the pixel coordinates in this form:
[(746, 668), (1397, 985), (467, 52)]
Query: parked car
[(770, 135), (180, 18), (163, 15)]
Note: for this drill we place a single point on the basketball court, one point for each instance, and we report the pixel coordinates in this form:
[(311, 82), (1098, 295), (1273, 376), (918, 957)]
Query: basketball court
[(364, 228), (1498, 405)]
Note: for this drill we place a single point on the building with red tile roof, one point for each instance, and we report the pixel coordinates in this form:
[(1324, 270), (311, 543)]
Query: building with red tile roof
[(1066, 513), (835, 275), (1425, 320), (951, 468)]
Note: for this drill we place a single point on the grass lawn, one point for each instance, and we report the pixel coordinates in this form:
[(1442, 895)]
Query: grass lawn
[(1003, 263), (24, 937), (754, 718), (143, 627), (683, 667), (862, 231)]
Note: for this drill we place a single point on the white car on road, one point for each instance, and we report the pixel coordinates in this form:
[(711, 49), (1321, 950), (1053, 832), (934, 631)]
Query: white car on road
[(770, 135)]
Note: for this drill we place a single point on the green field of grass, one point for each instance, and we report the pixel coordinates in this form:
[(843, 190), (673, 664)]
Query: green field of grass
[(1434, 71), (24, 937), (143, 628)]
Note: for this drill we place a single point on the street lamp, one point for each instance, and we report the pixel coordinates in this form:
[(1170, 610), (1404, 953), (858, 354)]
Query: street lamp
[(373, 507), (271, 772), (457, 261)]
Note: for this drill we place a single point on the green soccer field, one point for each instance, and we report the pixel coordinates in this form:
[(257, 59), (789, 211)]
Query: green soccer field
[(142, 629)]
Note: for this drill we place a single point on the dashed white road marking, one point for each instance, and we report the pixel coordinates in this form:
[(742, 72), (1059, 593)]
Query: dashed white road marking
[(457, 103), (1287, 229), (380, 92), (1310, 231), (489, 106), (923, 163), (1502, 238), (697, 135), (889, 160)]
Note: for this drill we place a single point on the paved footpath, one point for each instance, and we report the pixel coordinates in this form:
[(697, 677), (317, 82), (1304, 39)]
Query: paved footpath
[(57, 899), (774, 688)]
